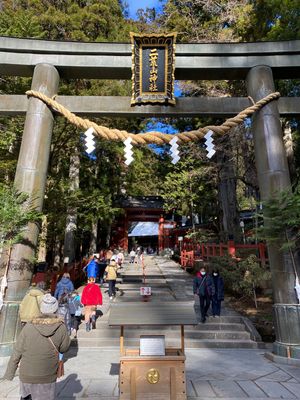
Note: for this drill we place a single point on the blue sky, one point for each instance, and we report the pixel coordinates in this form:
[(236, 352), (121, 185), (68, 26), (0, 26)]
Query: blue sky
[(134, 5)]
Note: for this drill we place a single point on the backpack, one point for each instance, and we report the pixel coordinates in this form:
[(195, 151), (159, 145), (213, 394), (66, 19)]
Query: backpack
[(63, 293)]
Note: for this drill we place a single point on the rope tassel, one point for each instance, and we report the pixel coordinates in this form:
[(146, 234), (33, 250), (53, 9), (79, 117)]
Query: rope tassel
[(89, 140), (210, 148), (128, 151), (174, 150)]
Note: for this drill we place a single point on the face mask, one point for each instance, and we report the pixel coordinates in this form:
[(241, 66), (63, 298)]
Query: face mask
[(215, 274), (203, 273)]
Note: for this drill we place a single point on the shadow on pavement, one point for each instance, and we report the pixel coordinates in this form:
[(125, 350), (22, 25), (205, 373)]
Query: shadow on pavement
[(69, 387), (114, 369), (72, 352)]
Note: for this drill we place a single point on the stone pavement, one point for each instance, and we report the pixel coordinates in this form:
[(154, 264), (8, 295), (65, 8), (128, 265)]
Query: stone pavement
[(212, 373)]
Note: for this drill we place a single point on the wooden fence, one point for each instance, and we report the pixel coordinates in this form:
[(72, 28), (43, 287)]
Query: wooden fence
[(203, 251)]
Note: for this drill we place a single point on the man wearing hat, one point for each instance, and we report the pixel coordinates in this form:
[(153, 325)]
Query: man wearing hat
[(40, 340)]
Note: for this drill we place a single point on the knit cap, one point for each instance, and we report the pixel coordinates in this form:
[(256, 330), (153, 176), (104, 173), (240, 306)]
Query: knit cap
[(49, 304)]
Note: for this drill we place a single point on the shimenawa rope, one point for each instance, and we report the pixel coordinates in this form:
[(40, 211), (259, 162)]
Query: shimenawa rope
[(152, 137)]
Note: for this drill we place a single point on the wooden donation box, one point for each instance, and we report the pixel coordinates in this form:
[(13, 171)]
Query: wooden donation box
[(152, 371)]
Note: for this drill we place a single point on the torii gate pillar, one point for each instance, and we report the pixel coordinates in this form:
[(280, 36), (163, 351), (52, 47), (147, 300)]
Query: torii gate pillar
[(273, 177), (31, 176)]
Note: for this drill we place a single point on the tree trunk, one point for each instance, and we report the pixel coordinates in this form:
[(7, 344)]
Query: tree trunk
[(227, 196), (94, 232), (108, 235), (71, 222), (43, 241), (57, 253), (289, 149)]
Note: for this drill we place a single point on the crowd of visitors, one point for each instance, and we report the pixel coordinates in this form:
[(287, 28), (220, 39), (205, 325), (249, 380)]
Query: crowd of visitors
[(210, 289), (49, 322)]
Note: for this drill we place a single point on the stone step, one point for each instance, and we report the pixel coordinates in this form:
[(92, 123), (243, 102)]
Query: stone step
[(208, 326), (189, 343), (232, 319), (217, 322), (196, 334), (226, 319), (169, 284)]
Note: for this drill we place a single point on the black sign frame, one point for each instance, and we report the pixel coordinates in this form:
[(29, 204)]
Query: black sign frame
[(153, 68)]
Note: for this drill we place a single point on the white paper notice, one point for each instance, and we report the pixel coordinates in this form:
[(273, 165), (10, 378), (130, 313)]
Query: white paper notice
[(145, 291), (152, 345)]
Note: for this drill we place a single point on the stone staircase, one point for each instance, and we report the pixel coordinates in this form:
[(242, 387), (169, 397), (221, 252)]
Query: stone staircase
[(169, 284)]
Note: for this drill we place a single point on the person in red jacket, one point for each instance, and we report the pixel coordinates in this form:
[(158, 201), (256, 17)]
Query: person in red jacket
[(91, 297)]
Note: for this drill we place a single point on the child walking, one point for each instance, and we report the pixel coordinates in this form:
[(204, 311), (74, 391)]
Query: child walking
[(91, 297), (76, 312)]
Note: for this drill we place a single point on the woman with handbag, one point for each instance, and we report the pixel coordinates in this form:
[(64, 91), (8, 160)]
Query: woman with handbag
[(37, 350)]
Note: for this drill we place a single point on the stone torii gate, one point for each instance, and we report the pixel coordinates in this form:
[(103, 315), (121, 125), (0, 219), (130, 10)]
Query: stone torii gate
[(48, 61)]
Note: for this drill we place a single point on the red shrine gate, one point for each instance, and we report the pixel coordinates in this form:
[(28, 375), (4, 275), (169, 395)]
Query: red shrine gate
[(143, 209)]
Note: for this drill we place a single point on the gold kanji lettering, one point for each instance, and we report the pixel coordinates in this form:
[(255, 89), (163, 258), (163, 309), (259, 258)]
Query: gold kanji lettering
[(153, 56)]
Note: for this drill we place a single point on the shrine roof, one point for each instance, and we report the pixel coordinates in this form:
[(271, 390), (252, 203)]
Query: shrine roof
[(142, 202)]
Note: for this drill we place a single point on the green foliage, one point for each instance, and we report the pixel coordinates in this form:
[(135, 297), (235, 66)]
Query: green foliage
[(189, 186), (282, 219), (10, 140), (201, 235), (144, 176), (274, 20), (18, 22), (254, 274), (197, 21), (242, 277), (235, 20), (90, 20), (93, 206), (16, 211)]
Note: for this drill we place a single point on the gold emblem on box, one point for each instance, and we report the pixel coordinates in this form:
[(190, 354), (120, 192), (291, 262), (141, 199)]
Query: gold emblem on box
[(153, 376)]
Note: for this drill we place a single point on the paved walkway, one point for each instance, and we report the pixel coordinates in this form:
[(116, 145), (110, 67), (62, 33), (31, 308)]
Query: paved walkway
[(92, 373), (211, 374)]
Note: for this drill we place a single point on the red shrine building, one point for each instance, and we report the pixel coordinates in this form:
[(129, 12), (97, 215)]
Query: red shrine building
[(143, 223)]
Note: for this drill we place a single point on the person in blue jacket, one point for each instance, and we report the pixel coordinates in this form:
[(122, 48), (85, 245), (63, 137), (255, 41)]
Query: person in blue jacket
[(92, 269), (218, 295), (64, 287)]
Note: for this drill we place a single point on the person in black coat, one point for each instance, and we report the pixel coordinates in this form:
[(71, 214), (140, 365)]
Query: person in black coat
[(218, 295), (203, 287)]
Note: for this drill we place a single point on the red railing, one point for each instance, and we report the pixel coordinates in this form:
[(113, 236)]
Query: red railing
[(187, 258), (203, 251)]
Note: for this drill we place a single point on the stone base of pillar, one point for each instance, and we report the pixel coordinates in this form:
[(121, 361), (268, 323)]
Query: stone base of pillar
[(287, 329), (285, 350), (282, 360), (10, 320)]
